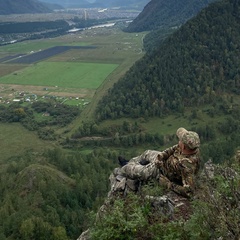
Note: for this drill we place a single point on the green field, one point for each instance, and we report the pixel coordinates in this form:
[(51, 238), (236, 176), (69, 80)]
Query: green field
[(61, 74), (15, 140), (82, 77)]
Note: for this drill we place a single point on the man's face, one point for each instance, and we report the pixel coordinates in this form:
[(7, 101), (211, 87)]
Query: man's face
[(181, 145)]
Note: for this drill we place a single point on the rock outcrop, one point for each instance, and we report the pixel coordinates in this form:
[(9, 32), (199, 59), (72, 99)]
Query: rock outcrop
[(171, 205)]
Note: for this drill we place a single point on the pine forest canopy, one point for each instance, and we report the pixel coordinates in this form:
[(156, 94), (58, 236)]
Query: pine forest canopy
[(193, 66)]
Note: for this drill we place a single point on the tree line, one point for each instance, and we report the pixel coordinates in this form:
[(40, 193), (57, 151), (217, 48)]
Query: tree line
[(40, 116)]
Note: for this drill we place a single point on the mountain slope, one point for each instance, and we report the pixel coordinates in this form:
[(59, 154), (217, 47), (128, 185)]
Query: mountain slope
[(138, 4), (196, 65), (159, 13), (46, 195), (69, 4), (22, 6)]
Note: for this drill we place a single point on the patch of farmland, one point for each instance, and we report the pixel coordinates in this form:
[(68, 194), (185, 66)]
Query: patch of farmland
[(7, 58), (6, 69), (47, 53), (61, 74)]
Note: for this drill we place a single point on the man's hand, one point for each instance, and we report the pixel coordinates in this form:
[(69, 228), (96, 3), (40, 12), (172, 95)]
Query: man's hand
[(165, 182), (158, 163)]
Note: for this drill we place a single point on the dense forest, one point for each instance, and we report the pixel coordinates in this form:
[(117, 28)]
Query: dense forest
[(161, 14), (196, 65), (46, 195), (30, 27)]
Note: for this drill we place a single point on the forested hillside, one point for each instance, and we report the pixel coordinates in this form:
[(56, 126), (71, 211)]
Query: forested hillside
[(161, 13), (22, 6), (46, 195), (196, 65)]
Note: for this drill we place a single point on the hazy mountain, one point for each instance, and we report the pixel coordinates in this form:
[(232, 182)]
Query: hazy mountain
[(69, 3), (138, 4), (161, 13), (52, 6), (22, 6)]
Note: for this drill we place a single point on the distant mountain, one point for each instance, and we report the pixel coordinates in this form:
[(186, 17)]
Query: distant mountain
[(136, 4), (196, 65), (52, 6), (162, 13), (22, 6), (69, 3)]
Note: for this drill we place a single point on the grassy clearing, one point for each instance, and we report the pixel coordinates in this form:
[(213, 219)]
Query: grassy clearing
[(15, 140), (66, 75), (169, 124)]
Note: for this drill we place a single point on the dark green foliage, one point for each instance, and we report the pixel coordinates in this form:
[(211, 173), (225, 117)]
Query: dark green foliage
[(57, 115), (153, 39), (134, 218), (216, 213), (30, 27), (47, 196), (123, 221), (194, 66), (171, 13), (125, 135), (92, 128)]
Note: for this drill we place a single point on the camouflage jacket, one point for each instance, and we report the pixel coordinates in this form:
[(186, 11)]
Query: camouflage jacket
[(178, 169)]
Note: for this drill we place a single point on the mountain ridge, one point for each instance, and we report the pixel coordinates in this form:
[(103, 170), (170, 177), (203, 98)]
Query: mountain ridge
[(22, 7), (159, 13), (137, 4)]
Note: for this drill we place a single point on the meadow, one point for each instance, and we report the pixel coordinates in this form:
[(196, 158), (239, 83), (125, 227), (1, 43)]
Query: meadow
[(16, 140), (61, 74)]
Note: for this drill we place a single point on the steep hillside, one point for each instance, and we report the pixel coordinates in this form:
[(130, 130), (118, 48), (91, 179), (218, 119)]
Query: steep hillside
[(196, 65), (161, 13), (22, 6)]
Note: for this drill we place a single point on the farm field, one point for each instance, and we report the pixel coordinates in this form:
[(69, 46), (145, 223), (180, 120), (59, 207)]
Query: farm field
[(37, 45), (79, 65), (61, 74)]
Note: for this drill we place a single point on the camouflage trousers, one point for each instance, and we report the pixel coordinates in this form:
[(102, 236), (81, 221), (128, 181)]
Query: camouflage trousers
[(134, 170)]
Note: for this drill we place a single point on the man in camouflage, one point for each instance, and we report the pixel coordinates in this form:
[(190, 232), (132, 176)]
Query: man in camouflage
[(174, 167)]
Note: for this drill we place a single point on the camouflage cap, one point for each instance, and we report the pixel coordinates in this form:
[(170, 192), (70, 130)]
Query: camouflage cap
[(188, 138)]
